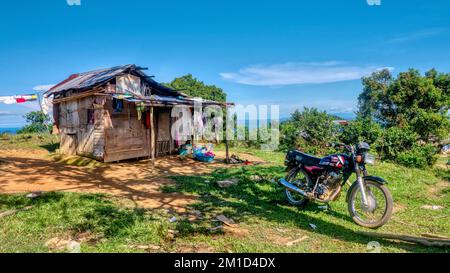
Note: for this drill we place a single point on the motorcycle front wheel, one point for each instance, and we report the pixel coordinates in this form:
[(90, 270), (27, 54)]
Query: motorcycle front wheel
[(379, 208), (298, 178)]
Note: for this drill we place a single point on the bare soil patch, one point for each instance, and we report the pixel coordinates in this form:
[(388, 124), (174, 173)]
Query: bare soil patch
[(24, 171)]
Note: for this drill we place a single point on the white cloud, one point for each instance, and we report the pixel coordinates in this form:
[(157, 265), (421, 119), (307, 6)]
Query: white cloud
[(43, 88), (419, 35), (299, 73)]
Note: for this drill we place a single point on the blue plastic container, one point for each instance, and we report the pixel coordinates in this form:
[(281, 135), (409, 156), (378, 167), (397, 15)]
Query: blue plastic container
[(204, 158)]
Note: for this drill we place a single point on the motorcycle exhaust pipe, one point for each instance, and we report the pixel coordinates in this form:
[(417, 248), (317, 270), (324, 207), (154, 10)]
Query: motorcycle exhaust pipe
[(292, 187)]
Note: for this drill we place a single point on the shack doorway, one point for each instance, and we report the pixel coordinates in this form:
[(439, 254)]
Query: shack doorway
[(69, 144), (163, 135)]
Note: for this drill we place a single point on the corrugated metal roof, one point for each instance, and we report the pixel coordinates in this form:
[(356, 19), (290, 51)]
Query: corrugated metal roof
[(87, 80), (160, 93), (168, 100)]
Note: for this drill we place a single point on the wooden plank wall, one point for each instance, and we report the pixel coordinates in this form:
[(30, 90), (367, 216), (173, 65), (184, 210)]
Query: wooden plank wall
[(125, 136), (78, 137)]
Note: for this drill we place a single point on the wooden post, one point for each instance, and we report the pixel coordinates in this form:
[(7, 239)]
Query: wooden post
[(152, 133), (227, 151)]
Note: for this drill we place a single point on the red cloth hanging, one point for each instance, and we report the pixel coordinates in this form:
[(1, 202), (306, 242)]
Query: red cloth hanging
[(20, 100), (147, 119)]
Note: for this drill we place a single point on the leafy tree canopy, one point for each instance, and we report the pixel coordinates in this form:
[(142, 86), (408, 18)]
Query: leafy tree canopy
[(195, 88), (37, 123), (309, 131), (410, 101)]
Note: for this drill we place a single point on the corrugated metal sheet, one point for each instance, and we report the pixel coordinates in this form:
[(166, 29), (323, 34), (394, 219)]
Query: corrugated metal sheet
[(160, 93), (87, 80)]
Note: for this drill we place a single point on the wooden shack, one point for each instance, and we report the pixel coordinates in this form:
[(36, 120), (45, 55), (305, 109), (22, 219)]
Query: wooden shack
[(116, 114)]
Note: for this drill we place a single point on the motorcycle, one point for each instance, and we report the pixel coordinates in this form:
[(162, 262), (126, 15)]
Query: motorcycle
[(310, 178)]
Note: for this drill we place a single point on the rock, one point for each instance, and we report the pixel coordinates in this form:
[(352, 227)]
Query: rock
[(227, 183), (256, 178), (73, 247), (313, 226), (60, 244), (291, 243), (432, 207), (33, 195), (197, 212), (227, 221), (213, 229)]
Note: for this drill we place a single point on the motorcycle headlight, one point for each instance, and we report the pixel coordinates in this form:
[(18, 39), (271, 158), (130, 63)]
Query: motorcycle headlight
[(369, 159)]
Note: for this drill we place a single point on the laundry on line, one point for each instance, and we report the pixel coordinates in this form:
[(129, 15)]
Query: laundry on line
[(18, 98)]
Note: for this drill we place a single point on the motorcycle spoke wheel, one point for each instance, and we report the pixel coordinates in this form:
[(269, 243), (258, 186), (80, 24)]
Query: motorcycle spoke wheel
[(376, 208), (299, 179)]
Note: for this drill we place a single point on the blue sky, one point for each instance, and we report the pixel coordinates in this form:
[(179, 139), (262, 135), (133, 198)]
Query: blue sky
[(291, 53)]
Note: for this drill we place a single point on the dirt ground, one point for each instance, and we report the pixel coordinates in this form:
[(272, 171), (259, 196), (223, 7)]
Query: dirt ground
[(23, 171)]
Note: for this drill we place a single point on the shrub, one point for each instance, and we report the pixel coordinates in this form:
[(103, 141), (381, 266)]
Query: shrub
[(420, 156), (395, 141), (308, 131), (361, 129), (37, 123)]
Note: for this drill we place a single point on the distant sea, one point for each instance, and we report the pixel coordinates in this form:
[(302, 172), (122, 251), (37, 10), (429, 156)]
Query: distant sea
[(9, 130)]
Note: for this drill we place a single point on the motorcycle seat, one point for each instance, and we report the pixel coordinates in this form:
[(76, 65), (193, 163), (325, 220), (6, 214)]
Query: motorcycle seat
[(304, 158)]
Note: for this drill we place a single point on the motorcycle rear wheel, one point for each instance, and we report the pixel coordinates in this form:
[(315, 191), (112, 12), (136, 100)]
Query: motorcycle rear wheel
[(365, 215), (294, 198)]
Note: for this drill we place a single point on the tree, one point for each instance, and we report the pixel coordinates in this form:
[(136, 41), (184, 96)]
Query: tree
[(309, 131), (37, 123), (195, 88), (410, 101), (361, 129), (374, 88)]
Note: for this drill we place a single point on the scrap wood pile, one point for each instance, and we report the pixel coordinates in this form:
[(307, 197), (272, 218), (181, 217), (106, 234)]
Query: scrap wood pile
[(234, 159)]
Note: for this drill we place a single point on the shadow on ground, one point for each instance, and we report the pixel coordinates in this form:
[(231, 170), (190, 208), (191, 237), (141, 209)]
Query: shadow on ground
[(265, 200)]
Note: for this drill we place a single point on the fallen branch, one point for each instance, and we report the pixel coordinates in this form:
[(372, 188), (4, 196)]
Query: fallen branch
[(435, 236), (14, 211), (412, 239), (297, 241)]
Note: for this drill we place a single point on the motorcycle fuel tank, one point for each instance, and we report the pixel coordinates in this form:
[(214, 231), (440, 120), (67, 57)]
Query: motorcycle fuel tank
[(335, 161)]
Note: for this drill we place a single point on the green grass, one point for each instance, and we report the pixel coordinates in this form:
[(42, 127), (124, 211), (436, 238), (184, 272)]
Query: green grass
[(29, 141), (97, 220), (265, 221), (260, 207)]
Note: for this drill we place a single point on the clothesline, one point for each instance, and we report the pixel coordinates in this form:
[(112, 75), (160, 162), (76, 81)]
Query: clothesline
[(19, 98), (44, 102)]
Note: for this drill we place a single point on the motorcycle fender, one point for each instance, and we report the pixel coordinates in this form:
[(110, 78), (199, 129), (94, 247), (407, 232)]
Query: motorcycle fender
[(376, 179)]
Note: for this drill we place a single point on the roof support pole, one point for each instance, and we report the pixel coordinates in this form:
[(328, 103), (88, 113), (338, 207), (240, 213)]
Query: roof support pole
[(227, 148), (152, 133)]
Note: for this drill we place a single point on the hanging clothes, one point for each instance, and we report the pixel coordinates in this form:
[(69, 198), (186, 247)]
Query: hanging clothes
[(46, 104), (117, 105), (18, 99), (140, 107), (147, 120)]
